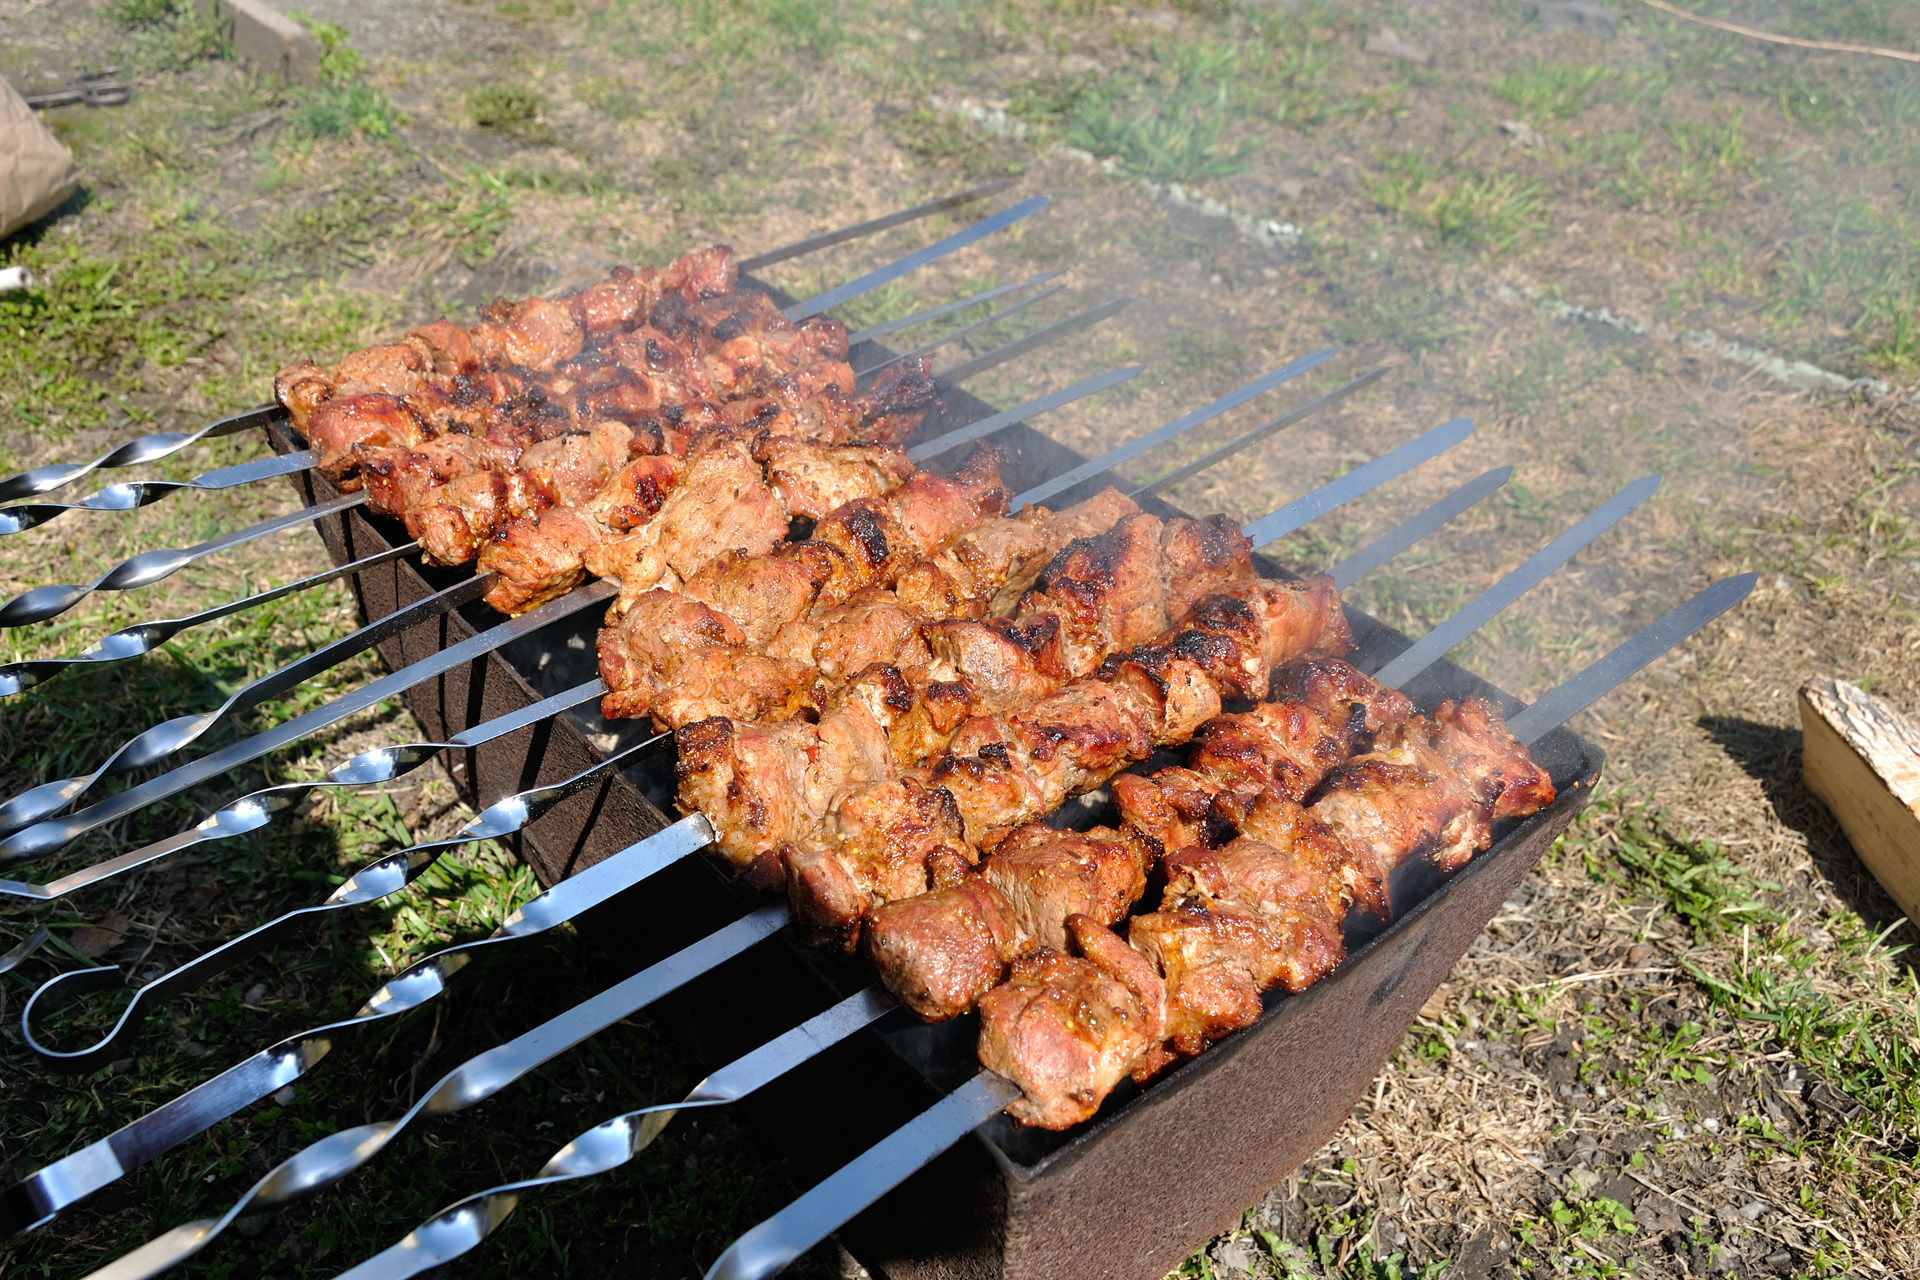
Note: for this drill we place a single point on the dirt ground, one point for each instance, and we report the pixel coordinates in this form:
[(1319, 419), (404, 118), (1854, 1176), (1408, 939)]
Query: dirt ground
[(1689, 1045)]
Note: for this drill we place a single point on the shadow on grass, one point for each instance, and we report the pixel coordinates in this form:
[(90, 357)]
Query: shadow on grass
[(1771, 756)]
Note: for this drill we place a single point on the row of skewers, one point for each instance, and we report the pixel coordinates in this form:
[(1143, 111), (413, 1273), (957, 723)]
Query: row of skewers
[(879, 681)]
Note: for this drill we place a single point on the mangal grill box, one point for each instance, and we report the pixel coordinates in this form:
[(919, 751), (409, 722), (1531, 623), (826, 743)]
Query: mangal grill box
[(1125, 1196)]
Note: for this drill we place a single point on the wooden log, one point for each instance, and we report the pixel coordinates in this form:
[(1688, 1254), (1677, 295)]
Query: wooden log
[(1862, 758)]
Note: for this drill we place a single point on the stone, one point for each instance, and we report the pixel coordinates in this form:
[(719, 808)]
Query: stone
[(1752, 1210), (1290, 188), (1385, 42), (267, 40), (1236, 1257), (1582, 17), (1521, 132)]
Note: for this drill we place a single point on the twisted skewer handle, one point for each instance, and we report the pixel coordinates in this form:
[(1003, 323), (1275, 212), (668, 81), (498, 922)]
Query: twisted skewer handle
[(41, 1195), (172, 736), (144, 637), (461, 1226), (135, 494), (150, 567), (378, 879), (134, 452), (257, 808), (45, 837)]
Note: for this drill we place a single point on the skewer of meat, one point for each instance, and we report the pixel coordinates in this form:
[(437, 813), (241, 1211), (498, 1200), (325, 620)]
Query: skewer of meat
[(1258, 905)]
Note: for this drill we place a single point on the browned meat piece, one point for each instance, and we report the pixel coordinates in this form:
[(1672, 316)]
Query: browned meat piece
[(538, 558), (404, 479), (394, 370), (1005, 664), (1387, 810), (1472, 738), (1283, 747), (1238, 920), (1201, 557), (1337, 690), (750, 781), (1275, 819), (534, 333), (887, 841), (1175, 806), (1097, 514), (665, 371), (466, 403), (996, 561), (679, 661), (636, 492), (572, 469), (302, 388), (1047, 875), (764, 593), (721, 503), (448, 349), (370, 421), (618, 302), (1067, 1029), (814, 479), (1108, 591), (851, 638), (703, 273), (901, 398), (939, 952)]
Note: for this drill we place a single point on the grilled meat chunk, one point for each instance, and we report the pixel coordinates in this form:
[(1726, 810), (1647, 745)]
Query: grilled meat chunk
[(1068, 1028)]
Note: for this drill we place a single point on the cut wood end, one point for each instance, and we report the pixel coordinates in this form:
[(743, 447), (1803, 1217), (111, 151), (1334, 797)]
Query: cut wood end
[(1862, 758)]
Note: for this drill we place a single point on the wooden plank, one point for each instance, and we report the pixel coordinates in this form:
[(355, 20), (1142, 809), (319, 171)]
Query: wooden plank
[(1862, 758)]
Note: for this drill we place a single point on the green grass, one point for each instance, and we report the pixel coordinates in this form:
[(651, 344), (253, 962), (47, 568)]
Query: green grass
[(1169, 124), (1552, 90)]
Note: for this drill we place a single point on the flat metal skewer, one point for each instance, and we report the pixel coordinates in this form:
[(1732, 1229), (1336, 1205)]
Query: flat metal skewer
[(379, 879), (152, 448), (1061, 484), (149, 567), (769, 1247), (144, 493), (38, 1197), (934, 344), (254, 810)]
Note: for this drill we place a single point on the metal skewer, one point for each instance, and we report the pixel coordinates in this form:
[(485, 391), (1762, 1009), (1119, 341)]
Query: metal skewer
[(769, 1247), (154, 447), (149, 567), (143, 493), (948, 308), (1061, 484), (379, 879), (175, 735), (44, 1193), (934, 344)]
